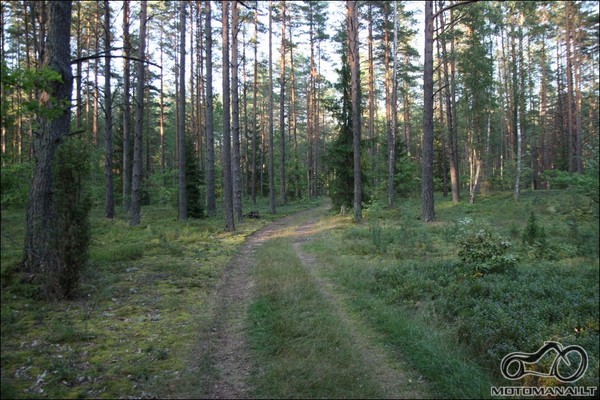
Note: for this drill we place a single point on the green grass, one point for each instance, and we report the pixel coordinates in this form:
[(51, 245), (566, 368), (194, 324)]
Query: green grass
[(302, 347), (454, 325), (133, 328)]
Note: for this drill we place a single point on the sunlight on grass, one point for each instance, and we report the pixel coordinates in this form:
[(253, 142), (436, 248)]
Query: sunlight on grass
[(133, 328), (402, 273), (301, 346)]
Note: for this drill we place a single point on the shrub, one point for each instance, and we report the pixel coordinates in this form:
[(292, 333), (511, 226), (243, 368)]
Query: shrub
[(194, 179), (72, 206), (484, 251), (15, 184), (534, 236)]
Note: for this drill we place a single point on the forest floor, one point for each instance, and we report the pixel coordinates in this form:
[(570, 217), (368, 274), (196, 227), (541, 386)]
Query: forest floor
[(226, 341), (309, 304)]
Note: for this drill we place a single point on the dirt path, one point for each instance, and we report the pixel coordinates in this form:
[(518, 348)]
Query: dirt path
[(225, 340), (394, 381)]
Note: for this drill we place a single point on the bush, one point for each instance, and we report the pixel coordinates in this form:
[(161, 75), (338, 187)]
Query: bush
[(484, 251), (72, 205), (15, 180), (194, 179), (534, 237)]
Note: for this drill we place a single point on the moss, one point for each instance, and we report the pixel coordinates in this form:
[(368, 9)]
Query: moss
[(132, 331)]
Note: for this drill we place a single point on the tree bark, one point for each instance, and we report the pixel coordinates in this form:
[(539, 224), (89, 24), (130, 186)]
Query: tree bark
[(282, 188), (181, 124), (451, 123), (41, 237), (211, 203), (394, 114), (254, 107), (352, 24), (371, 94), (138, 140), (227, 176), (235, 108), (109, 209), (427, 204), (126, 111), (271, 155), (298, 192)]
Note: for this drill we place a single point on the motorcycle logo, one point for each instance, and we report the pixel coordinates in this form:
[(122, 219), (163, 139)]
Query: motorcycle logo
[(507, 366)]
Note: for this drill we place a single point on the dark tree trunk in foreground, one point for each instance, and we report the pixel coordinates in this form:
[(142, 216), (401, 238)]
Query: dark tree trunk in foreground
[(181, 122), (109, 209), (282, 188), (227, 178), (138, 140), (211, 203), (126, 112), (271, 122), (41, 248), (352, 24), (427, 208)]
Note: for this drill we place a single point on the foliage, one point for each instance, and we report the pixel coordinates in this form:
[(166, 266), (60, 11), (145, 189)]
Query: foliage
[(534, 235), (72, 205), (587, 183), (417, 283), (15, 182), (407, 180), (483, 250), (340, 155), (133, 329), (194, 180)]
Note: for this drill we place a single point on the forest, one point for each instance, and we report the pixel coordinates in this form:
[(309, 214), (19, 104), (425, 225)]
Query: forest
[(442, 149)]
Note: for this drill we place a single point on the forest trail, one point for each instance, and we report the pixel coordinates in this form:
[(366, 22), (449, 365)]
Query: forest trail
[(226, 342)]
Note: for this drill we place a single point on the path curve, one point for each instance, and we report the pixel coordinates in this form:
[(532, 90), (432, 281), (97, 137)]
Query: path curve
[(225, 340), (393, 380)]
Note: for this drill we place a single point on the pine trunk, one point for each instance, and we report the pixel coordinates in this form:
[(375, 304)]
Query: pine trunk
[(427, 206), (138, 140)]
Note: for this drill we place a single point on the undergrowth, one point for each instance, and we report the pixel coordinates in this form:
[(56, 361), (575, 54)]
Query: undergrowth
[(492, 278), (302, 348), (131, 329)]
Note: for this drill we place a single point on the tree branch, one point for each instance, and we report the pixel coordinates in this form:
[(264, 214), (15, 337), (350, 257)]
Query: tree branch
[(451, 6), (101, 55)]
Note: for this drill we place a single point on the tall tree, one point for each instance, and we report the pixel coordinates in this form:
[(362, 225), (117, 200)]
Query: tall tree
[(41, 255), (227, 175), (255, 107), (109, 194), (450, 107), (394, 113), (138, 140), (352, 26), (127, 178), (235, 113), (282, 188), (271, 122), (427, 207), (211, 204), (181, 124)]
